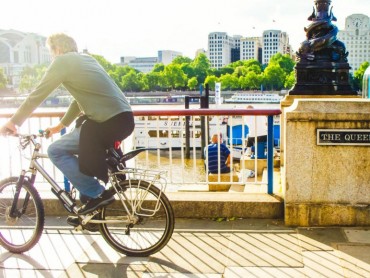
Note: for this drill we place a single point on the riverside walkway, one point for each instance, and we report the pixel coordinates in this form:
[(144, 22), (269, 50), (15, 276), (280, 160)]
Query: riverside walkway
[(201, 248)]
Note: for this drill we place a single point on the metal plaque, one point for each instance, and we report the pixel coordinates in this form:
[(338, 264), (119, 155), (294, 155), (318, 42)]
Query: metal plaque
[(350, 137)]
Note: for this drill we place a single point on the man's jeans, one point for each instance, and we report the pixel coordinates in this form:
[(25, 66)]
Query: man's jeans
[(63, 153)]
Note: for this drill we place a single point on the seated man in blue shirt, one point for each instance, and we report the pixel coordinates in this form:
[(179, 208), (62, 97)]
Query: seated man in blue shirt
[(217, 155)]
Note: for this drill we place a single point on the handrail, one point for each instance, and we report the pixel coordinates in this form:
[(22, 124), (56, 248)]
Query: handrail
[(269, 113), (208, 112), (175, 112)]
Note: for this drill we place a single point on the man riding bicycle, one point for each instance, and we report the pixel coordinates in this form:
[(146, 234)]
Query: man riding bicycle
[(105, 118)]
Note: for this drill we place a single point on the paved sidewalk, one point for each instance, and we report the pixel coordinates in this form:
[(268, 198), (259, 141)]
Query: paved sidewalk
[(201, 248)]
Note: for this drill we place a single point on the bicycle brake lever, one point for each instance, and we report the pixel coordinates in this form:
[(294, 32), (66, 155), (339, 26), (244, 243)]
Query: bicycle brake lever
[(44, 133)]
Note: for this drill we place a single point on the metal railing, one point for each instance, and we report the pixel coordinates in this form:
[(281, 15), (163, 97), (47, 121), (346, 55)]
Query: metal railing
[(179, 137)]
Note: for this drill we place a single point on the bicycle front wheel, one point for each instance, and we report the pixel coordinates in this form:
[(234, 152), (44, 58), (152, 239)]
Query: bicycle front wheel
[(22, 230), (153, 216)]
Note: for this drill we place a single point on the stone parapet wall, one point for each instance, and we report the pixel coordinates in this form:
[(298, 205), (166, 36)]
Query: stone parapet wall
[(325, 185)]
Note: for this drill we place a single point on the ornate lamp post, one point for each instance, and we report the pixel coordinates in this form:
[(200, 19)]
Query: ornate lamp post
[(322, 67)]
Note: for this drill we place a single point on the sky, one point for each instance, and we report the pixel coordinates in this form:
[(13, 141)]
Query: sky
[(116, 28)]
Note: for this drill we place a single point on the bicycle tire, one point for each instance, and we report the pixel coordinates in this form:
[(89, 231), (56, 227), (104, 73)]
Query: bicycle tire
[(151, 233), (20, 234)]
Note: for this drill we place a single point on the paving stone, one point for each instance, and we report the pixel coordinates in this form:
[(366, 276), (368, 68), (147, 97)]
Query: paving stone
[(318, 239), (201, 248), (355, 260), (322, 264), (265, 272), (357, 235)]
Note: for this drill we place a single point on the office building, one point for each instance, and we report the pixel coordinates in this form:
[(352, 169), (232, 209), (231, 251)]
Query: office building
[(235, 49), (146, 64), (220, 45), (356, 37), (19, 50), (224, 49), (274, 41), (251, 48), (142, 64), (166, 56)]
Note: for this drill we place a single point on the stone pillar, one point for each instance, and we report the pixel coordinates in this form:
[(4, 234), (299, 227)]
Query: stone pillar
[(325, 185), (288, 101)]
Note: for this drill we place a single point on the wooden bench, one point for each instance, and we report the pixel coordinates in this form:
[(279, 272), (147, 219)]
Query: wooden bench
[(214, 184)]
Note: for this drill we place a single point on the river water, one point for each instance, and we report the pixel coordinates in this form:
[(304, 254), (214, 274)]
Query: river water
[(180, 171)]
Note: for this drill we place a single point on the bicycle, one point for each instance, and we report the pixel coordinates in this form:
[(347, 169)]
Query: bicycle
[(139, 223)]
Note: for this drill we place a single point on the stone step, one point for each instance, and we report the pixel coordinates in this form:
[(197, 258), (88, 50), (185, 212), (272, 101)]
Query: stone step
[(208, 205)]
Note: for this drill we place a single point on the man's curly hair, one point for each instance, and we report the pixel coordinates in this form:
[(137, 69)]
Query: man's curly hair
[(62, 42)]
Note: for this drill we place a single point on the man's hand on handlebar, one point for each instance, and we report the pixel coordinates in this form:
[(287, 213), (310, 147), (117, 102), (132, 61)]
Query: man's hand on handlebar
[(9, 129), (53, 129)]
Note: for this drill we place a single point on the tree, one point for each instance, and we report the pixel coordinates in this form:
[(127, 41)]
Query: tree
[(274, 77), (255, 68), (131, 82), (154, 80), (192, 83), (181, 60), (174, 77), (211, 81), (290, 80), (240, 71), (284, 61), (359, 75), (30, 77), (252, 62), (229, 81), (104, 63), (118, 73), (158, 67), (201, 66), (3, 80), (226, 70), (254, 80)]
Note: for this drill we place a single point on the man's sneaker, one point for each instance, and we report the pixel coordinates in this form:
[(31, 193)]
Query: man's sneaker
[(104, 199), (75, 221)]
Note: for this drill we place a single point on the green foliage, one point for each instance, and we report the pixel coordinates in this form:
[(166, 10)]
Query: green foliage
[(290, 80), (211, 81), (174, 77), (274, 77), (181, 60), (3, 80), (192, 83), (187, 74), (201, 66), (31, 77), (104, 63), (158, 67), (229, 82), (359, 75), (284, 61), (131, 82)]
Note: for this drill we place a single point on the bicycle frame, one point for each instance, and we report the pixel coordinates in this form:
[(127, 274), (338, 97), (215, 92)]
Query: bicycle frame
[(140, 223), (68, 203), (35, 167)]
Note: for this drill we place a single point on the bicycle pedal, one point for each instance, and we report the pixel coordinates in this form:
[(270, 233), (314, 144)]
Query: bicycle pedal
[(78, 228)]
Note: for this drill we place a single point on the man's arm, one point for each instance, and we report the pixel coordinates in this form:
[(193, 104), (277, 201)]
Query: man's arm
[(72, 113), (227, 162), (51, 80)]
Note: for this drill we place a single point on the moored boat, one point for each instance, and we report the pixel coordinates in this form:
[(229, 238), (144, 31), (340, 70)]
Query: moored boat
[(244, 97), (170, 131)]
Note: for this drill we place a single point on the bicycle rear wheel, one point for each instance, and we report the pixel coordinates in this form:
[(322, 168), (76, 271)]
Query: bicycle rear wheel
[(154, 218), (21, 232)]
